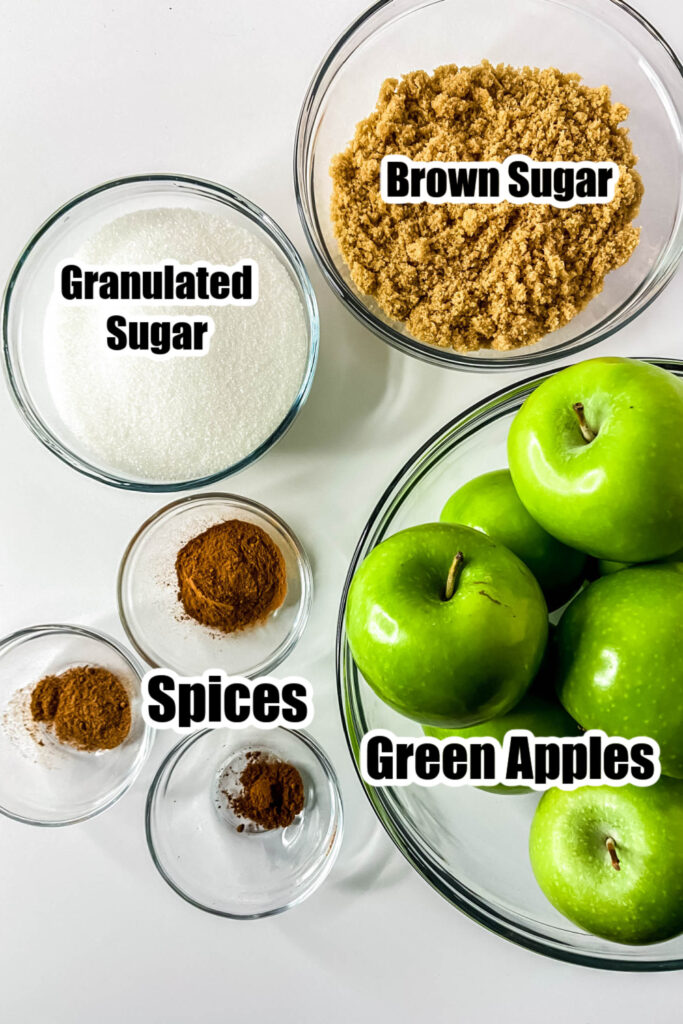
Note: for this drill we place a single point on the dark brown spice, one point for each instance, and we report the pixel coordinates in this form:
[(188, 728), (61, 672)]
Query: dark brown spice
[(88, 707), (45, 699), (231, 576), (272, 792)]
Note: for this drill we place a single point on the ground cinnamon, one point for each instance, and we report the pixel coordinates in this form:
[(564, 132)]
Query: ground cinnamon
[(88, 707), (231, 576), (271, 792)]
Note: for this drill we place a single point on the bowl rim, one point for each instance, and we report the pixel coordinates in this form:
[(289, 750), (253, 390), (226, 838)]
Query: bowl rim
[(657, 278), (331, 853), (458, 894), (269, 664), (29, 633), (220, 194)]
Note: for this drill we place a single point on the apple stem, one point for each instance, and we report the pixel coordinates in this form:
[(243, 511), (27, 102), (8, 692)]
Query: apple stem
[(587, 433), (612, 850), (454, 575)]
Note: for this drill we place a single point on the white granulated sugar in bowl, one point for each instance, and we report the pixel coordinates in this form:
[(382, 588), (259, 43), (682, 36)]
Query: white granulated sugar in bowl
[(180, 418)]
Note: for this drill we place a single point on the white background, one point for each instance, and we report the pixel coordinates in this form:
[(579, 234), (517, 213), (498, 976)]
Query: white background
[(90, 90)]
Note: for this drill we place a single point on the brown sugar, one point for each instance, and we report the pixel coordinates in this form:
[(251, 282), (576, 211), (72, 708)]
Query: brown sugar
[(88, 707), (484, 276), (231, 576), (271, 792)]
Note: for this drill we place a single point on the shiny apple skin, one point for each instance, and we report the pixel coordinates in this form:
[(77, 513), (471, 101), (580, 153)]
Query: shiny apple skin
[(446, 663), (618, 497), (490, 503), (640, 903), (536, 712), (619, 658)]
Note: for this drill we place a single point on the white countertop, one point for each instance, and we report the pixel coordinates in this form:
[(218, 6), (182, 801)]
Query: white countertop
[(90, 91)]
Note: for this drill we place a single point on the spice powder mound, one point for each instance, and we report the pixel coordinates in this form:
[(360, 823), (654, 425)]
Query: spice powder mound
[(88, 707), (231, 576), (495, 276), (271, 792)]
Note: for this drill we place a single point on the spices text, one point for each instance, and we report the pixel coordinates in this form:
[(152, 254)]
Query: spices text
[(216, 700)]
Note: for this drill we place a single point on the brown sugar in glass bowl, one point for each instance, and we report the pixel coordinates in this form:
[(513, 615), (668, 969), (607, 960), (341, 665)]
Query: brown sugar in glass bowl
[(606, 43), (231, 576), (476, 276)]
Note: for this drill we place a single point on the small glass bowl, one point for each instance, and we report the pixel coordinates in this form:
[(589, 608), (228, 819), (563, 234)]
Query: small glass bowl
[(154, 619), (197, 848), (471, 846), (604, 42), (43, 781), (30, 286)]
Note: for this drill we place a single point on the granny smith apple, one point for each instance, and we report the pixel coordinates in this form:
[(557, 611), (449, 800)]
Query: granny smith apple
[(448, 627), (611, 859), (605, 567), (490, 503), (619, 658), (536, 712), (595, 454)]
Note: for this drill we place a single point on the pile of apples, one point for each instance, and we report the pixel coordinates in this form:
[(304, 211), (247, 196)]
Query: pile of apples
[(449, 623)]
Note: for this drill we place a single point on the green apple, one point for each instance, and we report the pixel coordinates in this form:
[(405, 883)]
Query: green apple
[(605, 567), (595, 454), (490, 503), (619, 658), (448, 627), (611, 859), (537, 712)]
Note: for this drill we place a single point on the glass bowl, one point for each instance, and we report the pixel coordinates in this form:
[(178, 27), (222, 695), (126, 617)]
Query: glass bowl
[(154, 619), (42, 781), (197, 848), (471, 846), (603, 40), (31, 283)]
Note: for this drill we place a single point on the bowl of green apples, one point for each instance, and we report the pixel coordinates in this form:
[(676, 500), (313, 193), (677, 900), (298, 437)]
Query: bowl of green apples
[(524, 570)]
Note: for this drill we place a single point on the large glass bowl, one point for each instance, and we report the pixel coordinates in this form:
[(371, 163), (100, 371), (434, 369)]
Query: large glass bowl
[(470, 845), (30, 286), (605, 41)]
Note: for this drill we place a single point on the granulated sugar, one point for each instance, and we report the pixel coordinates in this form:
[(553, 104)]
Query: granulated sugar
[(178, 418)]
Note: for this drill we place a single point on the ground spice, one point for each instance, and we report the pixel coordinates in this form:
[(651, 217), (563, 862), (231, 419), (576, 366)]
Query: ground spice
[(87, 706), (231, 576), (271, 793), (484, 276)]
